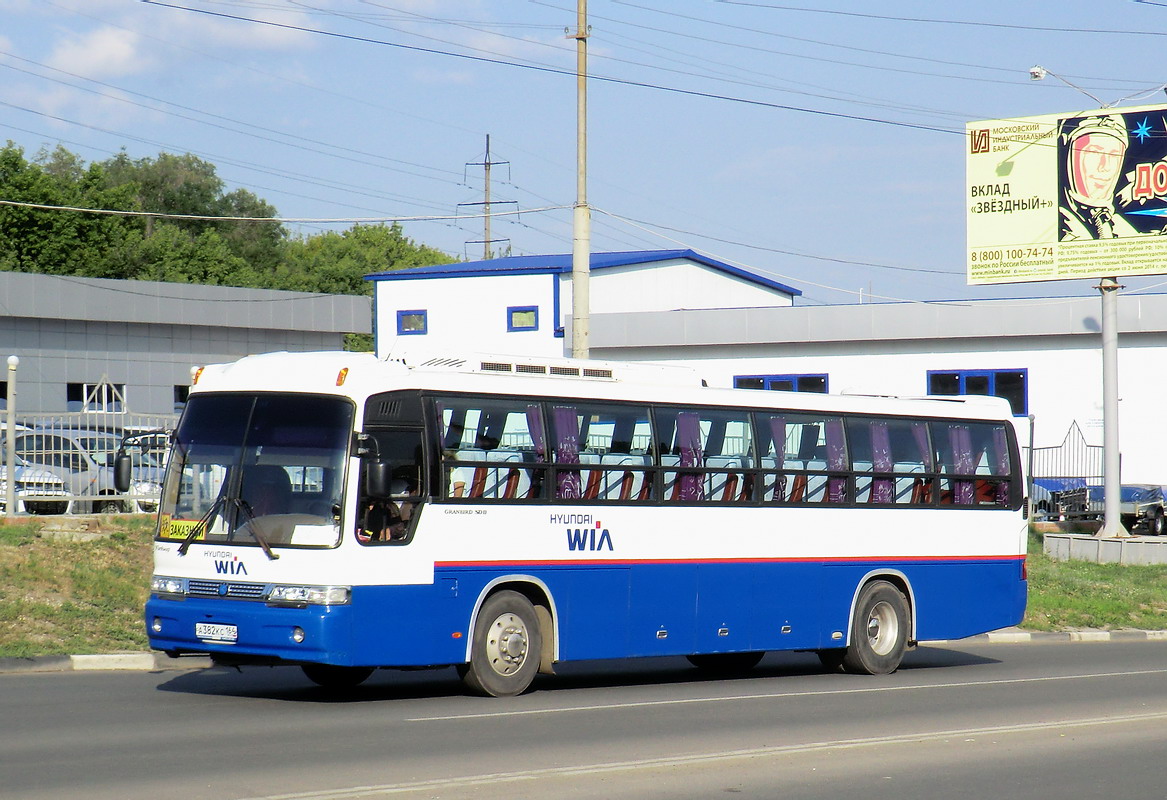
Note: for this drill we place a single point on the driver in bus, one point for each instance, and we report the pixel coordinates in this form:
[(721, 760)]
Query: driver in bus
[(267, 489), (386, 520)]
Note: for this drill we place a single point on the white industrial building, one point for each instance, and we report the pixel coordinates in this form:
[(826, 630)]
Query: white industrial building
[(743, 329), (519, 304)]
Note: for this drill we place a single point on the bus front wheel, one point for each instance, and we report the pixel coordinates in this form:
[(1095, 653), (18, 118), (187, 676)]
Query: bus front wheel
[(879, 631), (504, 655)]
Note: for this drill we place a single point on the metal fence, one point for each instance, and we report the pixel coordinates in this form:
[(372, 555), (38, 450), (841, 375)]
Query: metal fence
[(1061, 475), (63, 462)]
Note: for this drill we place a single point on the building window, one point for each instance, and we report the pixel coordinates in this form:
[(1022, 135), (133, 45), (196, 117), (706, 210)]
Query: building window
[(783, 383), (3, 395), (523, 318), (181, 395), (108, 397), (1011, 384), (411, 323)]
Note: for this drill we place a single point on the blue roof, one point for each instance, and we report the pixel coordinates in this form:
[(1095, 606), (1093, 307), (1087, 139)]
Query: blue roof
[(551, 264)]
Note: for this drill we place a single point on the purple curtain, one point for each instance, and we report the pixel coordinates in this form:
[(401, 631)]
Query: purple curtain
[(927, 457), (689, 441), (920, 434), (960, 439), (778, 435), (1001, 450), (565, 420), (535, 426), (882, 489), (836, 460)]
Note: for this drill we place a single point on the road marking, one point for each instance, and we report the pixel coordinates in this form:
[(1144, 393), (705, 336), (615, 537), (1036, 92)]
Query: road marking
[(779, 696), (489, 779)]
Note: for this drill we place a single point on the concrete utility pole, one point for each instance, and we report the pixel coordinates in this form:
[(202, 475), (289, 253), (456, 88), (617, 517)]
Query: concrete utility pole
[(581, 244), (1111, 478)]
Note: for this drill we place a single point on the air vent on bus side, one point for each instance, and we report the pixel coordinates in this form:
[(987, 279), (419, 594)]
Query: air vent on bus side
[(658, 374)]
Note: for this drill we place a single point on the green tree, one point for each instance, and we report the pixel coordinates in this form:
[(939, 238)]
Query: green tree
[(225, 252), (56, 242), (337, 262), (186, 184)]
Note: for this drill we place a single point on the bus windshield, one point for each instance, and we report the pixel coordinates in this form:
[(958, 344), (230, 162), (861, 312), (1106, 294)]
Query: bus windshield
[(258, 469)]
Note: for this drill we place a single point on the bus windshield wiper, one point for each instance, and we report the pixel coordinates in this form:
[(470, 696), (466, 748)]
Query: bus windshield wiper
[(255, 533), (200, 525)]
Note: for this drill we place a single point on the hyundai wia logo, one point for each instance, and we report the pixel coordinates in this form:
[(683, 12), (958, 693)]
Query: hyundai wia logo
[(232, 566), (584, 532)]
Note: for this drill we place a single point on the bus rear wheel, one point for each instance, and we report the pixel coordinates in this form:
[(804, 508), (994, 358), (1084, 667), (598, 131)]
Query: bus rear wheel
[(879, 631), (333, 677), (505, 650)]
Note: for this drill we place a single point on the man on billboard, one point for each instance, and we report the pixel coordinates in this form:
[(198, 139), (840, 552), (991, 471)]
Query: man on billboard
[(1093, 151)]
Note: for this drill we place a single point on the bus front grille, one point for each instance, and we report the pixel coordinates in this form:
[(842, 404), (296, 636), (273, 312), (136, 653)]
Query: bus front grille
[(242, 591)]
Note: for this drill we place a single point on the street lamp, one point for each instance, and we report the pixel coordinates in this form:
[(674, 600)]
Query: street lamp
[(9, 449)]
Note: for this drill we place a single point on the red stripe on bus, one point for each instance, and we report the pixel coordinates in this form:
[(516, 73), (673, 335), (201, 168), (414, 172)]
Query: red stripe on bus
[(668, 561)]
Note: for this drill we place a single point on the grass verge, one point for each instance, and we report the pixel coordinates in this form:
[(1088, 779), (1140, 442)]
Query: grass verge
[(1067, 595), (62, 597)]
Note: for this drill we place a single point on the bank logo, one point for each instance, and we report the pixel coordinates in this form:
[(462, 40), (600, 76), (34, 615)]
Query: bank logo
[(979, 141)]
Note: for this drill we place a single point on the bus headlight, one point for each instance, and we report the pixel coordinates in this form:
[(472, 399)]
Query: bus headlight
[(310, 595), (160, 584)]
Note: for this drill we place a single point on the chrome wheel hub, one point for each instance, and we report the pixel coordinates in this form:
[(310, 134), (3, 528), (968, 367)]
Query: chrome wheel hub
[(506, 646), (882, 629)]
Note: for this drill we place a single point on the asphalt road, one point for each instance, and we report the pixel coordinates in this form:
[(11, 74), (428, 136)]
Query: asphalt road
[(1021, 721)]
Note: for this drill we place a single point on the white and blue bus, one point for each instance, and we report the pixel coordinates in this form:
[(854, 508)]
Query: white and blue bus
[(345, 513)]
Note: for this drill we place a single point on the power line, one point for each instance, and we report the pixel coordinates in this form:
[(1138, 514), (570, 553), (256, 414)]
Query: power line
[(221, 117), (323, 221), (563, 72), (821, 43), (781, 251), (1005, 25), (223, 159)]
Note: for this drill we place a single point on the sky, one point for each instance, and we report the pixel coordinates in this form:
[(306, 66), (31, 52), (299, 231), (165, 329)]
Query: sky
[(820, 143)]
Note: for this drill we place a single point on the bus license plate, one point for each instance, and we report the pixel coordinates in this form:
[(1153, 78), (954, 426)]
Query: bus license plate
[(213, 632)]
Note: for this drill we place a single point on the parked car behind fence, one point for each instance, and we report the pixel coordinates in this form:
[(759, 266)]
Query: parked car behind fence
[(75, 454), (36, 491)]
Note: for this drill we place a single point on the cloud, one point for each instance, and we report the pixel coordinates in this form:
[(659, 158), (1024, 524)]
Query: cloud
[(103, 52)]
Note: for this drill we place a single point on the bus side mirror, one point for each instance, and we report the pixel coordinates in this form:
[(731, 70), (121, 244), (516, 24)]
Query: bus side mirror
[(378, 477), (123, 468)]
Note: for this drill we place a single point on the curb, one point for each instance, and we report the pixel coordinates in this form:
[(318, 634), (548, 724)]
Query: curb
[(1013, 636), (160, 662), (140, 662)]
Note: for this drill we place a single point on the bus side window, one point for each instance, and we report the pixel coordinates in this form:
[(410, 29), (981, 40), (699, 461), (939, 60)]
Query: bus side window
[(492, 448), (610, 444), (955, 462), (815, 459), (889, 459)]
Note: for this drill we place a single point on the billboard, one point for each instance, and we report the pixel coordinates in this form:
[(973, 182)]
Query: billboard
[(1059, 196)]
